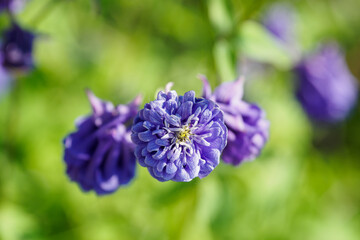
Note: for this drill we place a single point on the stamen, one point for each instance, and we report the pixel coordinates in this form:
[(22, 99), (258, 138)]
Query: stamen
[(180, 137), (184, 134)]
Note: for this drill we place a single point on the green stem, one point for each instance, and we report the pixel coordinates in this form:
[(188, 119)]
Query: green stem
[(44, 12), (12, 121)]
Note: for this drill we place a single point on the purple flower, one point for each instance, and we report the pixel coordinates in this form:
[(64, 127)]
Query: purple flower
[(12, 5), (248, 127), (99, 155), (326, 89), (17, 48), (279, 20), (4, 4), (179, 137)]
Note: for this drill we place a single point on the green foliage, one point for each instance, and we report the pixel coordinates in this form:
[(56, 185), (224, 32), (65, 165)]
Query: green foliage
[(305, 185), (257, 43)]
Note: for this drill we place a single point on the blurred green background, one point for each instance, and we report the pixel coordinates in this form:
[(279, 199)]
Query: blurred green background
[(305, 185)]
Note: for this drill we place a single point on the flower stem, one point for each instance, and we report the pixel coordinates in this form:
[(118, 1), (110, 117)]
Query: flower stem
[(12, 121), (44, 12)]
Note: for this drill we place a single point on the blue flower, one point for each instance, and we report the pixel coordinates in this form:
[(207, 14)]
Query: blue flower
[(247, 123), (99, 156), (326, 89), (179, 137), (17, 48)]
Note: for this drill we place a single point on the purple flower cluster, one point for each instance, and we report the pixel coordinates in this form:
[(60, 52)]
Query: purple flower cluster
[(175, 137), (179, 137), (99, 155), (248, 127), (326, 89)]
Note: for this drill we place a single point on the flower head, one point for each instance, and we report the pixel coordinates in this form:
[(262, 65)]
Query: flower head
[(326, 89), (17, 48), (99, 155), (179, 137), (247, 125)]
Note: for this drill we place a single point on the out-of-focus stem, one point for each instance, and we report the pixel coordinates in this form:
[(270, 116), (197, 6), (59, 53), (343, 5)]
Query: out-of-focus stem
[(44, 12), (12, 121)]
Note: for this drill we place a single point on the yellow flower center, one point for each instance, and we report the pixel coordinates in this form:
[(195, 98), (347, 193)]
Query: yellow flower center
[(184, 134)]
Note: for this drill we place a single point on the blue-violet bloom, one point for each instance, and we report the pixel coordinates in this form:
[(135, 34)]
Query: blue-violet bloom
[(246, 122), (179, 137), (99, 155), (17, 48), (13, 6), (326, 89)]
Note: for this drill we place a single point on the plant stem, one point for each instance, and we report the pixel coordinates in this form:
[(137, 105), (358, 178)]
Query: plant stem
[(12, 121), (44, 12)]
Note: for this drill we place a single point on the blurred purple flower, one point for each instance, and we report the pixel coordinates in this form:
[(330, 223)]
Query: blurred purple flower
[(279, 20), (100, 155), (12, 5), (4, 4), (326, 89), (17, 48), (247, 125), (179, 137)]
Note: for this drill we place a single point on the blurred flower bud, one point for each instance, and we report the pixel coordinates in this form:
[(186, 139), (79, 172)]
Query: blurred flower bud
[(326, 89), (17, 48)]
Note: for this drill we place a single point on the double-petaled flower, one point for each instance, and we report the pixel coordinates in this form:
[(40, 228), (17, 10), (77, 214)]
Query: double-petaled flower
[(99, 155), (179, 137), (248, 127)]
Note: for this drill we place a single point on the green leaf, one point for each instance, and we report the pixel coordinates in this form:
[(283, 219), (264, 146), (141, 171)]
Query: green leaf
[(257, 43), (223, 60), (220, 16)]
